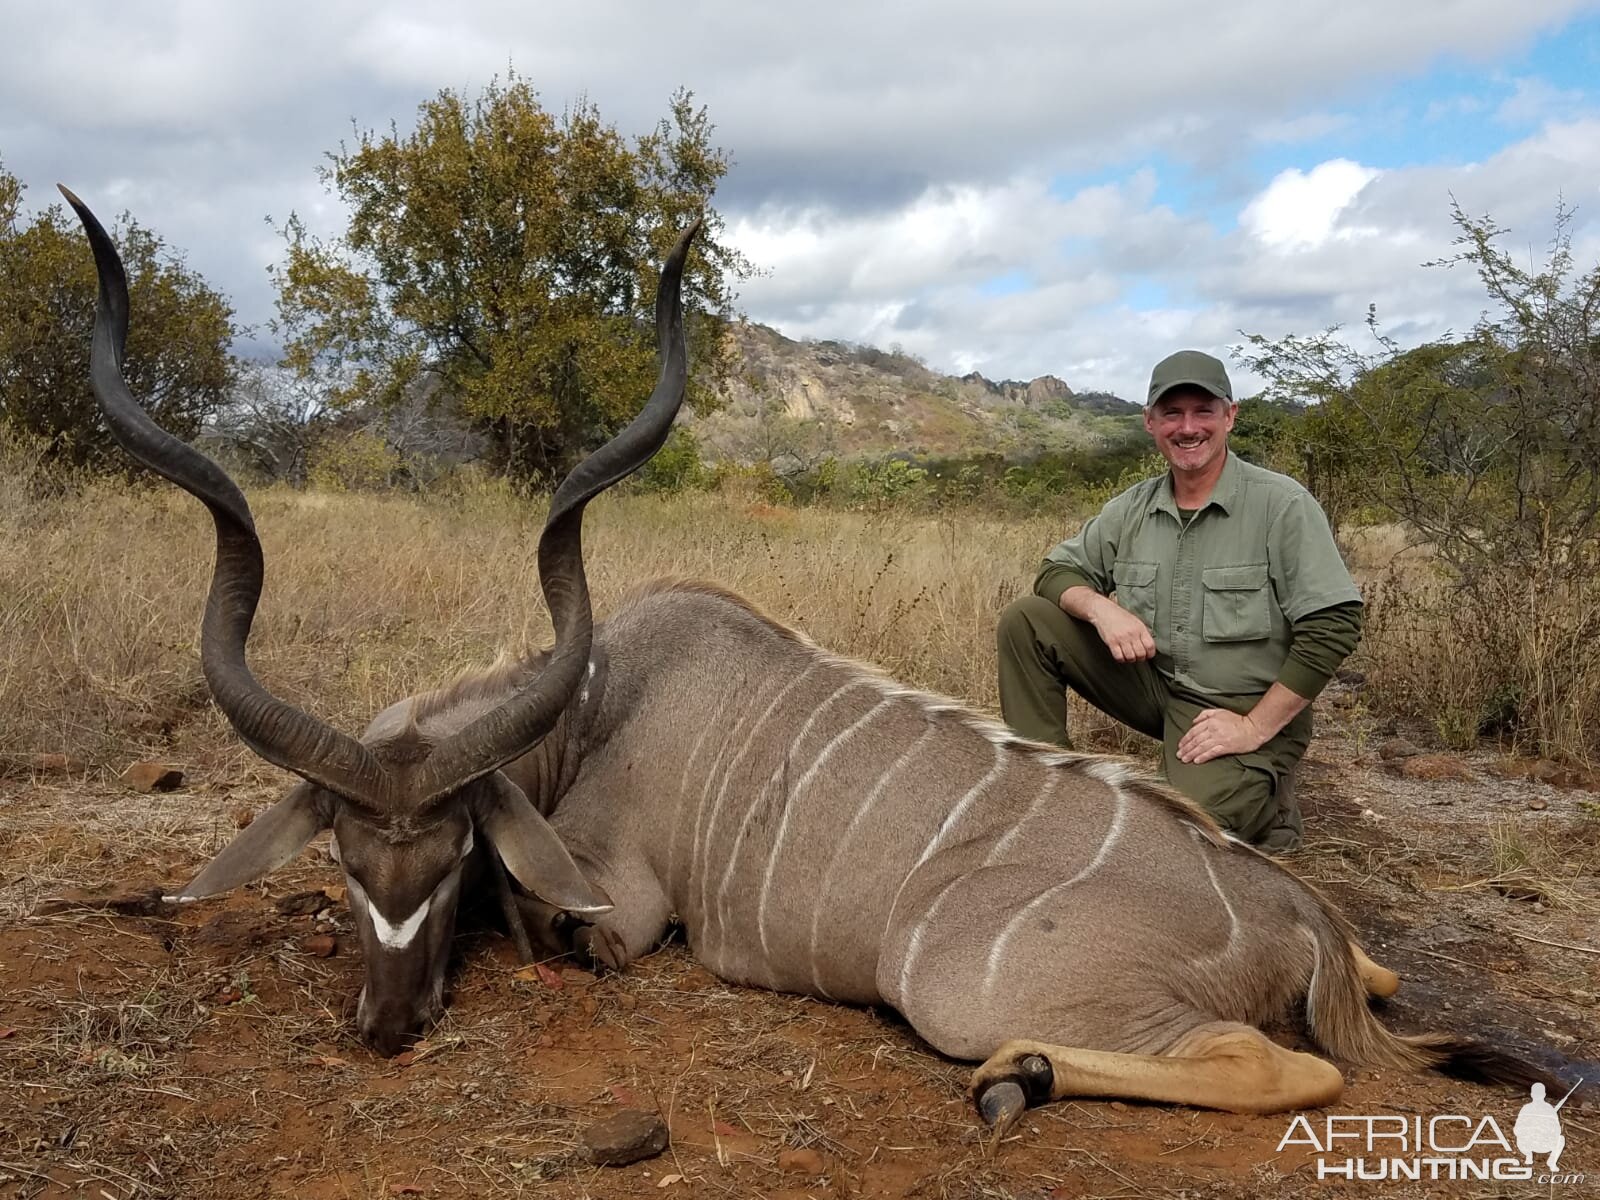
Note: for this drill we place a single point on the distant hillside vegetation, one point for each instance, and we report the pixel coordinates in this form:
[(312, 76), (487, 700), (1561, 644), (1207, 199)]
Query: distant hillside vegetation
[(803, 400)]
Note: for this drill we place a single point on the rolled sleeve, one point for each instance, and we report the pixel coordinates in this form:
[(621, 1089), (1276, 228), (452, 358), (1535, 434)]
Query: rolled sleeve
[(1084, 558), (1319, 642), (1055, 578)]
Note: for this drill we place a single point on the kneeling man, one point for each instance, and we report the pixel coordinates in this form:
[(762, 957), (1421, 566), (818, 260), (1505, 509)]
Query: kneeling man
[(1232, 610)]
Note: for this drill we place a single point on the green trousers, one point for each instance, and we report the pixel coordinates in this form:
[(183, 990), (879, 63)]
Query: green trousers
[(1044, 651)]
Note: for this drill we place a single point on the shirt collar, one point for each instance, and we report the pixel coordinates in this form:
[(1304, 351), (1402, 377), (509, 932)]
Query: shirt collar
[(1224, 495)]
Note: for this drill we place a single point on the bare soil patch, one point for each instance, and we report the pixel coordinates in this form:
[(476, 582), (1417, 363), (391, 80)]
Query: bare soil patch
[(209, 1052)]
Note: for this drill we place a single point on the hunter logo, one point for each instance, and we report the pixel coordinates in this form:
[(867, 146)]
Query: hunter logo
[(1396, 1148)]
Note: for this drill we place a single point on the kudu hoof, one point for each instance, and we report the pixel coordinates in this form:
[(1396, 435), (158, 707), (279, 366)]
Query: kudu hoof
[(1002, 1102)]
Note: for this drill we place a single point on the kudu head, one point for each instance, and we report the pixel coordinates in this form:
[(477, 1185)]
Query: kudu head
[(407, 813)]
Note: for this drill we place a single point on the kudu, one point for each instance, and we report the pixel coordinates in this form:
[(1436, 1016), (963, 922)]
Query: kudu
[(817, 828)]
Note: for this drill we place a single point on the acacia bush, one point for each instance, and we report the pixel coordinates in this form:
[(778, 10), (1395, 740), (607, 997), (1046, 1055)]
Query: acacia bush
[(1486, 449)]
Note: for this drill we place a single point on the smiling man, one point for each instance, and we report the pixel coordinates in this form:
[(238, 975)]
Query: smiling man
[(1232, 609)]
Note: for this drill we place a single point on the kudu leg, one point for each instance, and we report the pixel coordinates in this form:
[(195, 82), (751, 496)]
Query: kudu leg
[(612, 941), (1218, 1065), (1379, 981)]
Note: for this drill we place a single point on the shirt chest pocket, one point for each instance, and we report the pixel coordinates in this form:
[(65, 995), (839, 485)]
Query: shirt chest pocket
[(1136, 589), (1238, 603)]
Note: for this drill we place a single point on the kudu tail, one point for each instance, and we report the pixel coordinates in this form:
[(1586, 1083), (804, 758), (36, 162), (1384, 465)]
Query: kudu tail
[(1343, 1025)]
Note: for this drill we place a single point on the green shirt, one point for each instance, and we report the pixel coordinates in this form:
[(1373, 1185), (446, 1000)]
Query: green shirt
[(1221, 593)]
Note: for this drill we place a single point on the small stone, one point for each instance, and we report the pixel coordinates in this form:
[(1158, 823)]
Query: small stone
[(576, 977), (243, 816), (57, 764), (1539, 906), (152, 777), (1397, 748), (802, 1162), (302, 904), (1118, 1106), (1538, 803), (321, 945), (630, 1136)]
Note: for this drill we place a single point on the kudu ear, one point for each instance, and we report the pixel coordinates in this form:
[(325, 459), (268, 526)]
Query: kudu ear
[(268, 842), (532, 851)]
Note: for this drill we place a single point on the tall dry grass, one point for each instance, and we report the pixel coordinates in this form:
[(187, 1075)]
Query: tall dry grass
[(1513, 655), (371, 597)]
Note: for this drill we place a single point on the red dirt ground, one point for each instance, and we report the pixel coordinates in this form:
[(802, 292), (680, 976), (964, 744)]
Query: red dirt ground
[(209, 1053)]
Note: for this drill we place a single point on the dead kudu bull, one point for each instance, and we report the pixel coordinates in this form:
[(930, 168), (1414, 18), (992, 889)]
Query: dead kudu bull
[(817, 828)]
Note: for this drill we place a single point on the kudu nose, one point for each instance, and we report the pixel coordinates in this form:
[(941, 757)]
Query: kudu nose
[(389, 1038), (390, 1028)]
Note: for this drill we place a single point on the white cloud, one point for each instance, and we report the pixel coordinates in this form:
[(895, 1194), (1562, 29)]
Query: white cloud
[(1301, 209)]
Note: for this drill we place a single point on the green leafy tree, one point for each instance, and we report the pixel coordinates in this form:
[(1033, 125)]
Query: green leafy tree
[(513, 254), (178, 339)]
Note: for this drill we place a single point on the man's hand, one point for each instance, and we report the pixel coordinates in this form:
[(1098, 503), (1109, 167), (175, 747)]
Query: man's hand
[(1125, 635), (1216, 732)]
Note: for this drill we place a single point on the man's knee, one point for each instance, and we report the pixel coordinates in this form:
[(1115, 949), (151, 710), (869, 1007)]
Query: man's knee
[(1021, 620), (1242, 799)]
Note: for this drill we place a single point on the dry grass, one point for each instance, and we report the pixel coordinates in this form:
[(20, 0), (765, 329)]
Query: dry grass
[(372, 597), (1512, 657)]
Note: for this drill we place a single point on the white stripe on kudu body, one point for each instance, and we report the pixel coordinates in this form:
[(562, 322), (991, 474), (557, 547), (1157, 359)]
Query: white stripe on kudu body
[(844, 841), (1047, 792), (788, 808), (683, 791), (756, 801), (978, 789), (716, 806), (961, 805), (1113, 835)]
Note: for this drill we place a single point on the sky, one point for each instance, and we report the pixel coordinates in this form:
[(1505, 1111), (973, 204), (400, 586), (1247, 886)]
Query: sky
[(1017, 188)]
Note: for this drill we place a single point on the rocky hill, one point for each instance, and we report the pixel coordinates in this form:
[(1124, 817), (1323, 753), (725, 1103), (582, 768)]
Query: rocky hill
[(806, 399)]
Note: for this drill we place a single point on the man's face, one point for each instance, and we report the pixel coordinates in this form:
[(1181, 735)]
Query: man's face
[(1190, 428)]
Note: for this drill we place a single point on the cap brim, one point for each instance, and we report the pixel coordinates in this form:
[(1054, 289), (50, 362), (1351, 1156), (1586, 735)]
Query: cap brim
[(1188, 383)]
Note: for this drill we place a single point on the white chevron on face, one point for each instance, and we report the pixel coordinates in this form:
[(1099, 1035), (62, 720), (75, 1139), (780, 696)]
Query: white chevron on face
[(391, 935)]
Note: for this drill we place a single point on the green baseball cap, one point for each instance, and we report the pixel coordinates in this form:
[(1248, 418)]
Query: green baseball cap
[(1190, 368)]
